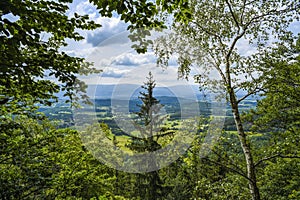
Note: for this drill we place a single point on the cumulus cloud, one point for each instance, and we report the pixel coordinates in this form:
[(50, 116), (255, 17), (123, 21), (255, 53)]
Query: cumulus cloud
[(113, 73), (134, 59), (83, 7), (110, 27)]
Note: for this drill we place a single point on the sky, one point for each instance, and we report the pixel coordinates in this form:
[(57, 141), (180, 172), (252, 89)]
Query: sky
[(110, 49)]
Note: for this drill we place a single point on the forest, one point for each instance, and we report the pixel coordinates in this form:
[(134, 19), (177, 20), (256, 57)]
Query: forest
[(58, 143)]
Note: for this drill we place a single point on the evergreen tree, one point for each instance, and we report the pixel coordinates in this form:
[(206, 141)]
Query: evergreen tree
[(148, 124), (149, 120)]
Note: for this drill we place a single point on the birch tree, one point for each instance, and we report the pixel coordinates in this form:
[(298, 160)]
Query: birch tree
[(215, 35)]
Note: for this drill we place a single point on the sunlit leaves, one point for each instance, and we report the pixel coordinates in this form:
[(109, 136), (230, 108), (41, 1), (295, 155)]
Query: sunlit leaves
[(32, 33), (39, 161)]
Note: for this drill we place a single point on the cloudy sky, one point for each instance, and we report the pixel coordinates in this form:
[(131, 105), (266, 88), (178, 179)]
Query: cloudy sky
[(109, 49)]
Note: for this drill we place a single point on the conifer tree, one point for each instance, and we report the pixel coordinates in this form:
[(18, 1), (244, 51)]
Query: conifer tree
[(148, 123), (148, 120)]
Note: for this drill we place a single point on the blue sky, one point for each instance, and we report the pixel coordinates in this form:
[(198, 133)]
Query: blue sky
[(110, 50)]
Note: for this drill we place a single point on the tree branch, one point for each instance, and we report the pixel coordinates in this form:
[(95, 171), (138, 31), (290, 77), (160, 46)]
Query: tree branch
[(209, 32), (231, 169), (171, 133), (269, 13), (233, 16), (231, 163), (243, 11), (274, 156), (246, 96)]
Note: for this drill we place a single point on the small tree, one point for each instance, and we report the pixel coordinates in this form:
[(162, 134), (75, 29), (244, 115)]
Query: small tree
[(149, 119), (148, 124)]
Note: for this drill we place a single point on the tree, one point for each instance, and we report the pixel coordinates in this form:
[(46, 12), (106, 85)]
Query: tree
[(277, 117), (149, 120), (148, 125), (208, 34), (33, 70), (32, 33), (279, 109), (37, 161)]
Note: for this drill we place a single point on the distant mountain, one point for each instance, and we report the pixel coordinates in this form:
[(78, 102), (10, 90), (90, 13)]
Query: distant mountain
[(129, 91)]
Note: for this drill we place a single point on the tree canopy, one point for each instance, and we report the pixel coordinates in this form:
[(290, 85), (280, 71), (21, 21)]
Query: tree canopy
[(33, 68), (210, 36)]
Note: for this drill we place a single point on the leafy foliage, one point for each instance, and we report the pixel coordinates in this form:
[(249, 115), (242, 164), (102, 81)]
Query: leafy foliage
[(31, 35), (38, 161), (277, 119), (209, 38)]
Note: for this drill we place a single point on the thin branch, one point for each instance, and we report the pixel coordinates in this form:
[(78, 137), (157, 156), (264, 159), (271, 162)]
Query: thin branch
[(216, 65), (233, 16), (269, 13), (209, 32), (246, 96), (274, 156), (231, 162), (254, 19), (234, 43), (250, 3), (256, 90), (243, 11), (164, 134), (253, 91), (222, 74), (231, 169)]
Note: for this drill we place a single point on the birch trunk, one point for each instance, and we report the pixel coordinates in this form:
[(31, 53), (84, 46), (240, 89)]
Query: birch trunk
[(245, 146)]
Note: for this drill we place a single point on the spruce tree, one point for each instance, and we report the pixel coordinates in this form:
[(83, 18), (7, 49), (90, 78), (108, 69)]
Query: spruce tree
[(148, 123)]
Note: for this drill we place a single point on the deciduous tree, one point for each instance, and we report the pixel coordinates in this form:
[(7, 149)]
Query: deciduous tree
[(212, 34), (277, 118), (33, 68)]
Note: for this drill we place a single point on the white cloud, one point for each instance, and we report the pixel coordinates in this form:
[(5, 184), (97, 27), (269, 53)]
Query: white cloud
[(83, 7), (295, 27), (244, 48), (114, 73), (109, 49), (110, 27), (134, 59)]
